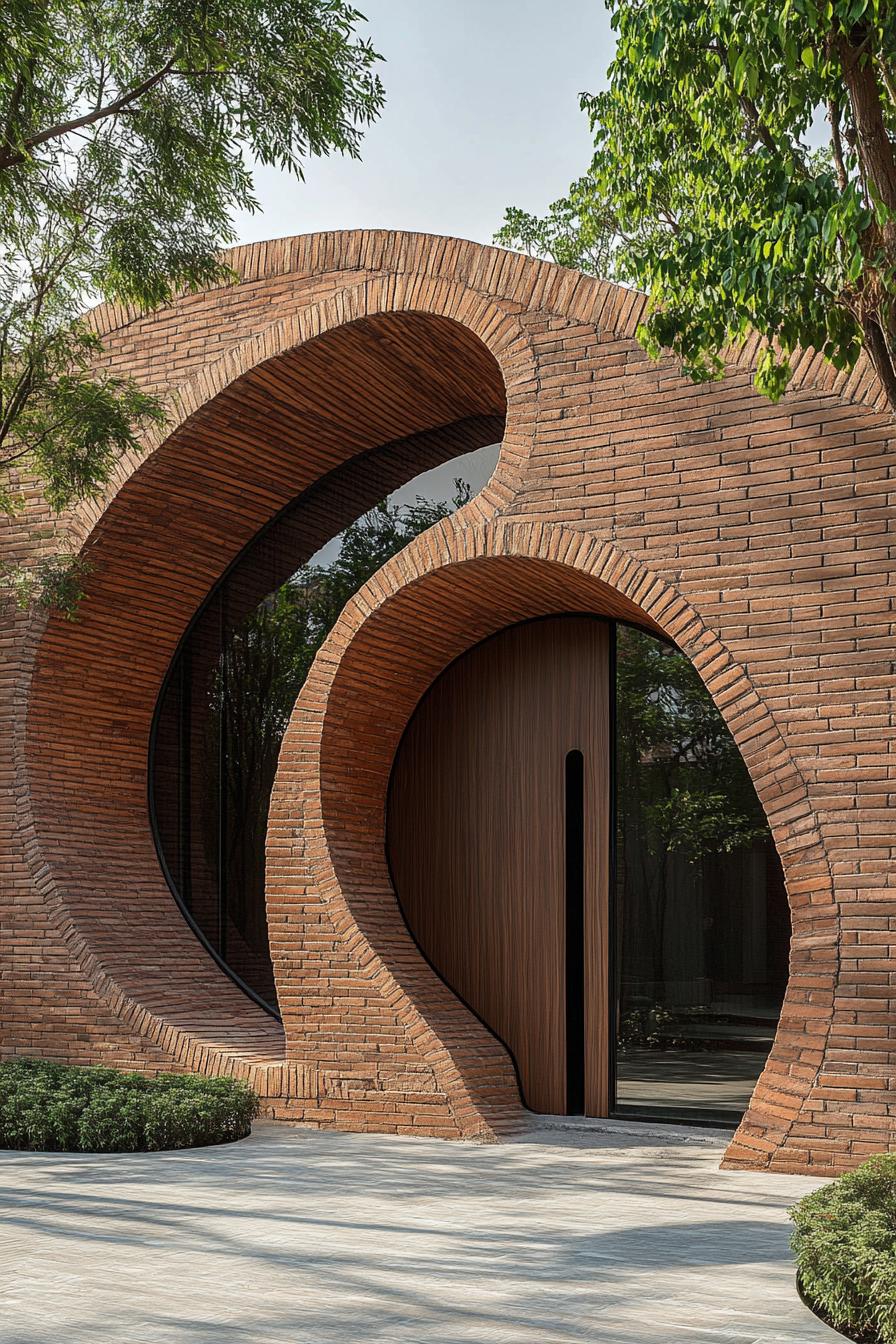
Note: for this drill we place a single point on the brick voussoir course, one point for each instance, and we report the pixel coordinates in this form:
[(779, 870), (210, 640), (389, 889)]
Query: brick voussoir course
[(753, 535)]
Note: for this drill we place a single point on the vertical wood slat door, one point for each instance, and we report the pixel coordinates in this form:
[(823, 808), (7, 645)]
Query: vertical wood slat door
[(477, 842)]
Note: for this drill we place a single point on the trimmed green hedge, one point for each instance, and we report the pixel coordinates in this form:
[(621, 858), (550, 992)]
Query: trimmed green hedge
[(60, 1108), (845, 1248)]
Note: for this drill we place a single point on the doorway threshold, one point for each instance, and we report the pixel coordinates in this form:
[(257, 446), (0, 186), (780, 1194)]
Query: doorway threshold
[(666, 1133)]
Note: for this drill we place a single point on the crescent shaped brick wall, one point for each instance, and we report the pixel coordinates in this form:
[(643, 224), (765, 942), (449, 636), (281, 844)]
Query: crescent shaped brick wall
[(759, 537)]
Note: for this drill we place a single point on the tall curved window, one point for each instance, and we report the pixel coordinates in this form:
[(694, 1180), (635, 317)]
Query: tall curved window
[(702, 920), (232, 686)]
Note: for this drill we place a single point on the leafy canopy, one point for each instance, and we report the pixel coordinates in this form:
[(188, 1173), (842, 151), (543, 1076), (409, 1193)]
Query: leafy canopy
[(127, 128), (743, 176)]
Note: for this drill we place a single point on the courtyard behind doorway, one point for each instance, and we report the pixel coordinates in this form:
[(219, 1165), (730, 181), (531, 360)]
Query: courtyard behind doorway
[(579, 851)]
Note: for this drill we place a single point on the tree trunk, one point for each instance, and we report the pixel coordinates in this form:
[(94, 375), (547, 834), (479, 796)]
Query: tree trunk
[(878, 166), (873, 142), (882, 354)]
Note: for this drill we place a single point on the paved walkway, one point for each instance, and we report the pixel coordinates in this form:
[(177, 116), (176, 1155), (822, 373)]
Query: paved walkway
[(314, 1238)]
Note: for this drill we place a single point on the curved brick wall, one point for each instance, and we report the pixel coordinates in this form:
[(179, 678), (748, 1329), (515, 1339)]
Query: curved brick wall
[(326, 861), (759, 537)]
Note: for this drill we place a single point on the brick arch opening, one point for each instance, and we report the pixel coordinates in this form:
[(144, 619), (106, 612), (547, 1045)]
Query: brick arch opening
[(327, 866), (386, 373), (772, 523)]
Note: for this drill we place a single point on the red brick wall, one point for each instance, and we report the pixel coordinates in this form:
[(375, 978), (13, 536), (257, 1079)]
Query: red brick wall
[(758, 537)]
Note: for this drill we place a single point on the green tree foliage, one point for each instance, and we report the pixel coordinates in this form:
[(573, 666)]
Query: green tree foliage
[(264, 666), (126, 132), (744, 176)]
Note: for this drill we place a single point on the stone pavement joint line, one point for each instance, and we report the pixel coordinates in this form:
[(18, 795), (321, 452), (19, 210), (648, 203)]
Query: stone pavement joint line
[(568, 1233)]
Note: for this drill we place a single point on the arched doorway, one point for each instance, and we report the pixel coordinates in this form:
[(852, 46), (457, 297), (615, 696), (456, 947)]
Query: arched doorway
[(579, 851)]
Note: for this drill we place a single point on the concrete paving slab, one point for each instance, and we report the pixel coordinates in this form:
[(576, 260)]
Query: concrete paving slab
[(589, 1231)]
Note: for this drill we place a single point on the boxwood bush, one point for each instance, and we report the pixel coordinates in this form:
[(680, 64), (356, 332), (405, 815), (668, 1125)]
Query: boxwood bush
[(60, 1108), (845, 1248)]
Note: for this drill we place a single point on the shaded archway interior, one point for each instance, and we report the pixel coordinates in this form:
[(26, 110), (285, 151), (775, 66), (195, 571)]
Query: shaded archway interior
[(232, 685), (385, 391), (426, 613), (499, 841)]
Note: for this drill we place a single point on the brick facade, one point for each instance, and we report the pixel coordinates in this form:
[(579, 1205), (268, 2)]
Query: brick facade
[(758, 537)]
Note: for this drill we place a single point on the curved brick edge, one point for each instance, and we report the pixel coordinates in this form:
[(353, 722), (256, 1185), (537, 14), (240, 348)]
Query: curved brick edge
[(227, 1028), (512, 277), (498, 328), (401, 264), (451, 588)]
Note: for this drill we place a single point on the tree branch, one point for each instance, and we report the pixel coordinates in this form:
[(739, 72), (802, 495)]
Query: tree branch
[(747, 105), (889, 80), (12, 158), (34, 444), (11, 458), (837, 143), (19, 395), (15, 100)]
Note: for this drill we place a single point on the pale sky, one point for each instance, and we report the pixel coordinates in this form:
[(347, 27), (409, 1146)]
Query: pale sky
[(481, 112)]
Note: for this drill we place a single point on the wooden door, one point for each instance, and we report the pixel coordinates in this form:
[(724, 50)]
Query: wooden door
[(501, 861)]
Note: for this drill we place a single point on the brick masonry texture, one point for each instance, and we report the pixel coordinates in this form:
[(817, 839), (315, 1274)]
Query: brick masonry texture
[(758, 537)]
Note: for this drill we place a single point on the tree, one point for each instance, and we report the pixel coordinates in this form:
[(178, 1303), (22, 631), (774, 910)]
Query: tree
[(126, 129), (744, 176)]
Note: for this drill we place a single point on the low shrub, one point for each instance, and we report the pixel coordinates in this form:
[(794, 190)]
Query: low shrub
[(845, 1248), (61, 1108)]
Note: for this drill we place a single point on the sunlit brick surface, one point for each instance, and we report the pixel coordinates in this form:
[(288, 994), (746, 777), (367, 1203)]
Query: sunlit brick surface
[(758, 537)]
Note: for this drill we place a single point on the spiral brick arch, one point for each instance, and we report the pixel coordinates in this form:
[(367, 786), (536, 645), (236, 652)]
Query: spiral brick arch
[(758, 537), (438, 598), (256, 429)]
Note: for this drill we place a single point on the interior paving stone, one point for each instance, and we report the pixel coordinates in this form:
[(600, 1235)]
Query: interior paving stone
[(589, 1231)]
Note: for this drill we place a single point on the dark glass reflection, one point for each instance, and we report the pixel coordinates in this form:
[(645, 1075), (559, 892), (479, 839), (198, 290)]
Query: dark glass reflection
[(232, 687), (702, 922)]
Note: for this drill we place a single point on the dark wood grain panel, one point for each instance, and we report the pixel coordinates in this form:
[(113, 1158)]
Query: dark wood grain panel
[(476, 839)]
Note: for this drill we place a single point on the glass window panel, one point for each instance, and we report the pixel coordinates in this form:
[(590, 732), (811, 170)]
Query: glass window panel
[(702, 923), (231, 689)]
